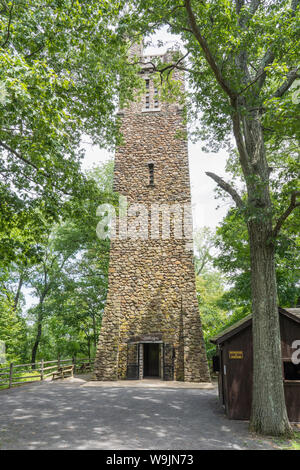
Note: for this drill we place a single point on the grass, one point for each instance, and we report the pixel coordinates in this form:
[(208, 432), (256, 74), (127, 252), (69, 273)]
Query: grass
[(291, 444), (24, 375), (295, 442)]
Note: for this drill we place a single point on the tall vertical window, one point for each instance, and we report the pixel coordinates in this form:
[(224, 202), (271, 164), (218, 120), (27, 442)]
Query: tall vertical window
[(151, 173), (147, 104)]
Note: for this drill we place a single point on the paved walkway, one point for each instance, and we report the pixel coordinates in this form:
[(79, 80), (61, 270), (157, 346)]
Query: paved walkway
[(75, 414)]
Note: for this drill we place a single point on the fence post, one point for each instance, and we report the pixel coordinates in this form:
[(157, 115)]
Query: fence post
[(11, 366), (42, 369), (74, 364)]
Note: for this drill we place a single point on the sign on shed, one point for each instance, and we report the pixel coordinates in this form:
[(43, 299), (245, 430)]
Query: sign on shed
[(236, 354)]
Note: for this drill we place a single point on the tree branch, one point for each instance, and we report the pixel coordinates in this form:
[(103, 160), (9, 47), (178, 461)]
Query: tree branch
[(247, 14), (267, 59), (294, 6), (188, 30), (28, 162), (169, 67), (287, 212), (258, 76), (269, 55), (19, 156), (40, 48), (239, 138), (254, 6), (8, 26), (207, 53), (226, 186), (291, 77), (239, 5)]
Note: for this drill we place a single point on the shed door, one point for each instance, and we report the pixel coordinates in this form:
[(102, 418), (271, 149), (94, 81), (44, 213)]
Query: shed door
[(132, 361)]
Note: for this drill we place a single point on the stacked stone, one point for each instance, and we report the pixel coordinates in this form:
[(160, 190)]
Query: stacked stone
[(152, 281)]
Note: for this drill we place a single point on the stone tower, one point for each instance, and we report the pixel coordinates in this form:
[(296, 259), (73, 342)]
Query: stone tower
[(151, 325)]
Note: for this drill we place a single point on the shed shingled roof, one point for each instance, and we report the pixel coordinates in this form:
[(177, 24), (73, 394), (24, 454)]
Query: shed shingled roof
[(293, 313)]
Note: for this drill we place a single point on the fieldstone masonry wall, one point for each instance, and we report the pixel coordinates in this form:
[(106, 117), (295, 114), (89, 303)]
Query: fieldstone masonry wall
[(151, 277)]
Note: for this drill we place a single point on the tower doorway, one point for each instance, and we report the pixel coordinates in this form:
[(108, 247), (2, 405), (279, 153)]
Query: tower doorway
[(151, 360)]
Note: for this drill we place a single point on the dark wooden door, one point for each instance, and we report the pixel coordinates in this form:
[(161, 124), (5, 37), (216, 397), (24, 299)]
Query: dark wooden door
[(151, 360)]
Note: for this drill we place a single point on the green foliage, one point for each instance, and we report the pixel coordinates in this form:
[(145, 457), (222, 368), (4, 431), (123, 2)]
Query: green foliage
[(228, 33), (241, 61), (291, 444), (71, 280), (68, 279), (203, 245), (224, 283), (12, 328), (210, 289), (62, 71), (62, 66), (233, 260)]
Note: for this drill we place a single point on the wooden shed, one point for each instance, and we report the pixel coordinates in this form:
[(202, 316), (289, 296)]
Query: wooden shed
[(234, 364)]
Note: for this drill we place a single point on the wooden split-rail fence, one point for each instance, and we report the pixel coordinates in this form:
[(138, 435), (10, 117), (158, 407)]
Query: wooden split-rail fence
[(17, 374)]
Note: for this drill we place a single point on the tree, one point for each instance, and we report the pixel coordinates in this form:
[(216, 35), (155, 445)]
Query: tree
[(210, 286), (12, 326), (233, 260), (62, 72), (210, 290), (70, 277), (203, 245), (43, 280), (241, 63)]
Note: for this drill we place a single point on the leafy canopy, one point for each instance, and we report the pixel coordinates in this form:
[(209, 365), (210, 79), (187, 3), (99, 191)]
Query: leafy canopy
[(62, 72)]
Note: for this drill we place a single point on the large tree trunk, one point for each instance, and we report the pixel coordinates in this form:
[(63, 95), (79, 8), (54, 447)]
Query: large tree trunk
[(17, 296), (37, 338), (269, 414)]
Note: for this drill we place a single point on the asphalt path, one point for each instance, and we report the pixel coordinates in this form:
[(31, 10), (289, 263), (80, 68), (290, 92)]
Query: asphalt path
[(81, 415)]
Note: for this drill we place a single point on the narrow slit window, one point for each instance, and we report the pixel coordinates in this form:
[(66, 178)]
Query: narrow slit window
[(155, 97), (151, 173), (147, 103)]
